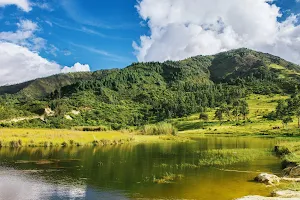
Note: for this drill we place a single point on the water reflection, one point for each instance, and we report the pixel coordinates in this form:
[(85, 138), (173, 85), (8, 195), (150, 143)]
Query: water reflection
[(128, 171), (25, 185)]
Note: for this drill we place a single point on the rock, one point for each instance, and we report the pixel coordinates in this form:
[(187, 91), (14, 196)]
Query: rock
[(287, 164), (294, 172), (286, 194), (75, 112), (48, 112), (265, 198), (269, 179), (68, 117)]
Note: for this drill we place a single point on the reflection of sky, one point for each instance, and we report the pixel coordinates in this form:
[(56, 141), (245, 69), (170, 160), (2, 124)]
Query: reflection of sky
[(16, 186)]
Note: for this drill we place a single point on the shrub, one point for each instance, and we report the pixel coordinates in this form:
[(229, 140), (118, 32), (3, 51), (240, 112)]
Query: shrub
[(203, 116), (93, 128)]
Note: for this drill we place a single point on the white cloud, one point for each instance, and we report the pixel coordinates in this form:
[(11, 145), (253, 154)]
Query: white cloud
[(19, 64), (43, 5), (25, 36), (76, 68), (181, 29), (23, 4)]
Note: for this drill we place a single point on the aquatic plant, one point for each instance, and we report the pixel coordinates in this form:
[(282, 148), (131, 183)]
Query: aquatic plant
[(168, 178), (224, 157)]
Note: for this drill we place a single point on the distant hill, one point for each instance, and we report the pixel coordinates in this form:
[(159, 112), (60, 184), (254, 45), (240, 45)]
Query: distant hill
[(42, 86), (149, 92)]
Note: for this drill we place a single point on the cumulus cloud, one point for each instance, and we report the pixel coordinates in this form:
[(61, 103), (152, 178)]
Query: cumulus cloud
[(25, 36), (23, 4), (19, 64), (181, 29), (76, 68)]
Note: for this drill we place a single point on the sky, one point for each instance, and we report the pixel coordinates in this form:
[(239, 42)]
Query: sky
[(39, 38)]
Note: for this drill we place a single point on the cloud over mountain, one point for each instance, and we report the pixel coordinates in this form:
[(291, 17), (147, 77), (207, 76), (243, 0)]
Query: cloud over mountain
[(181, 29), (19, 64)]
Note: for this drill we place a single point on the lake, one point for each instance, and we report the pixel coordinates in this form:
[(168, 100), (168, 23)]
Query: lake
[(129, 171)]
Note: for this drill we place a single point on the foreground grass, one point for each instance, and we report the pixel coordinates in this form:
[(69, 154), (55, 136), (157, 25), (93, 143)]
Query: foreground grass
[(289, 150)]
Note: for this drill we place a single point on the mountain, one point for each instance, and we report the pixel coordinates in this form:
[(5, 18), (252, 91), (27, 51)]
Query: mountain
[(149, 92), (244, 62)]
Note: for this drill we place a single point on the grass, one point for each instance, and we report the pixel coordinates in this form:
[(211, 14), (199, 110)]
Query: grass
[(168, 178), (259, 105), (189, 126), (13, 137), (230, 156), (48, 137), (159, 129), (289, 150), (294, 186)]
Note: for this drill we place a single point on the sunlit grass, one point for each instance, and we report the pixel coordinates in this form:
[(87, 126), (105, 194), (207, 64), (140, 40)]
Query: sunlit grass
[(13, 137), (55, 137), (230, 156), (159, 129), (259, 106)]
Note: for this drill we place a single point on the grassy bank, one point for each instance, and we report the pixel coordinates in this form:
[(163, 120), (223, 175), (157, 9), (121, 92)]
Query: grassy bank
[(48, 137), (58, 137)]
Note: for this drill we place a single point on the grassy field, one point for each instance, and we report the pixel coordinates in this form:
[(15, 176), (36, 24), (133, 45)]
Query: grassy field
[(57, 137), (190, 126), (255, 124)]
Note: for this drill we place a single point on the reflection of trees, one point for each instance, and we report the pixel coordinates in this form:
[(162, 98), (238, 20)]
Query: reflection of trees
[(124, 167)]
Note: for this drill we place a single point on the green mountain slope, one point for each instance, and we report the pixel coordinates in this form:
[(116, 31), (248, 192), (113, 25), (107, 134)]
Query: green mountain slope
[(149, 92), (43, 86), (244, 62)]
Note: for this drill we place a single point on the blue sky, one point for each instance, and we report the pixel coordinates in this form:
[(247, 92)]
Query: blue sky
[(115, 33), (99, 33)]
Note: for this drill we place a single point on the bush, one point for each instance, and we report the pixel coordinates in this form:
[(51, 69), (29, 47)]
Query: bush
[(203, 116), (159, 129), (93, 128)]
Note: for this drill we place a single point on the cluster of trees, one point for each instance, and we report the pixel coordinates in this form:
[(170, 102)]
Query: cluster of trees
[(237, 110), (286, 110)]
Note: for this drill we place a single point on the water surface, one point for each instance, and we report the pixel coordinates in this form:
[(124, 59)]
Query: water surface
[(128, 171)]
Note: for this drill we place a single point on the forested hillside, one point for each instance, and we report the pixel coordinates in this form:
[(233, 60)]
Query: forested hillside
[(144, 93)]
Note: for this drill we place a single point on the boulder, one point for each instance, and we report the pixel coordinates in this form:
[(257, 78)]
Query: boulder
[(68, 117), (294, 172), (75, 112), (266, 198), (286, 194), (269, 179), (48, 112)]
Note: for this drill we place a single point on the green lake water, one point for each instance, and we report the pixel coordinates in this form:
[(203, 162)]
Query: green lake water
[(127, 171)]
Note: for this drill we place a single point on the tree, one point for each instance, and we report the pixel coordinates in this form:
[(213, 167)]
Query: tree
[(280, 109), (219, 115), (236, 109), (286, 120), (227, 111), (244, 109)]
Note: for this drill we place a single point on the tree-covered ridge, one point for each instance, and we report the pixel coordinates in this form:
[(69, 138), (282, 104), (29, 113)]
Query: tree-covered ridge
[(145, 93)]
